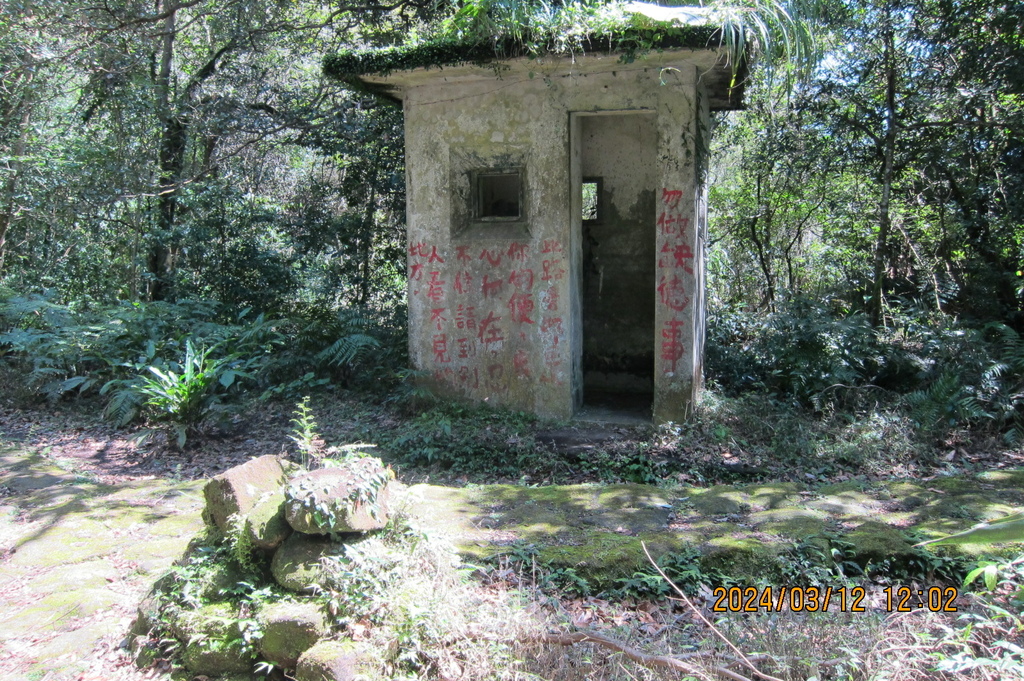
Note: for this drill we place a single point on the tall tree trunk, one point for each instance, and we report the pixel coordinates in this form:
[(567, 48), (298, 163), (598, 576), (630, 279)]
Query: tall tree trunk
[(366, 238), (10, 190), (888, 154), (171, 156), (9, 195)]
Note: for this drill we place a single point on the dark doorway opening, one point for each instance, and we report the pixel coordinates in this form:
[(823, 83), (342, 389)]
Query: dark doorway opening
[(617, 176)]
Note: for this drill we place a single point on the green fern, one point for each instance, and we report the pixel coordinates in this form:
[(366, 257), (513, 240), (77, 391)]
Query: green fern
[(944, 405), (125, 403), (347, 349)]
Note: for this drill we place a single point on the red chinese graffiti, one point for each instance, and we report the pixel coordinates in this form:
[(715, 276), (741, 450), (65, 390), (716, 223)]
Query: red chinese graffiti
[(491, 256), (435, 290), (491, 287), (465, 317), (521, 364), (437, 317), (462, 254), (468, 378), (520, 307), (441, 355), (467, 347), (521, 279), (672, 346), (672, 292), (550, 299), (552, 324), (680, 257), (550, 246), (671, 197), (553, 270), (517, 251), (463, 280), (490, 332), (421, 250)]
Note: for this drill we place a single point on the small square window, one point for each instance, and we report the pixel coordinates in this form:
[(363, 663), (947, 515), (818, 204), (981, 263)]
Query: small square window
[(591, 205), (499, 195)]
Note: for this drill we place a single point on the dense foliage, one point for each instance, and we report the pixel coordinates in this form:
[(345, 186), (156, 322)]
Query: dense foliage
[(866, 223)]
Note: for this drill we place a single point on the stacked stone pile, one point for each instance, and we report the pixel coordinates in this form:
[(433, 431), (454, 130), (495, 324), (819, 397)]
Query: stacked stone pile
[(292, 519)]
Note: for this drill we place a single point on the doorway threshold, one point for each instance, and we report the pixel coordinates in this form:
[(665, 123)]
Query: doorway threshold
[(615, 408)]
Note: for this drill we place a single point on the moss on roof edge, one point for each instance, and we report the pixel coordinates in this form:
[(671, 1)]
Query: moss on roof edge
[(350, 65)]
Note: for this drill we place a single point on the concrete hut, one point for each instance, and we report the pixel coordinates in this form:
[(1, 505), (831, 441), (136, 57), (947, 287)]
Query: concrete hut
[(556, 217)]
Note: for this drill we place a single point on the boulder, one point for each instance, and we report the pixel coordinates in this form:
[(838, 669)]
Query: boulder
[(239, 489), (266, 524), (290, 629), (875, 542), (296, 563), (212, 641), (355, 497), (336, 661), (143, 649)]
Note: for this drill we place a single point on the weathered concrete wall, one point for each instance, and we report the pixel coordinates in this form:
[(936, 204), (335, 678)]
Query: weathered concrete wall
[(680, 209), (495, 306)]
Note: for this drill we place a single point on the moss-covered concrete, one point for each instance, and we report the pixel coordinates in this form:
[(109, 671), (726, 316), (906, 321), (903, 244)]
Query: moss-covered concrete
[(740, 530), (79, 556), (336, 660), (290, 629), (212, 642)]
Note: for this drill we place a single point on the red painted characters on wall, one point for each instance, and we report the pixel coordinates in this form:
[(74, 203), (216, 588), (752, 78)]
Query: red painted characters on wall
[(494, 318), (675, 263)]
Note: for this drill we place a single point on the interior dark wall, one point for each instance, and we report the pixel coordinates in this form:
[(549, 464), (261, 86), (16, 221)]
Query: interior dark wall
[(619, 256)]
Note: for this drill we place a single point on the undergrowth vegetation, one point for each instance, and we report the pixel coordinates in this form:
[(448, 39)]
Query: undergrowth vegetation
[(419, 612), (189, 362), (941, 374)]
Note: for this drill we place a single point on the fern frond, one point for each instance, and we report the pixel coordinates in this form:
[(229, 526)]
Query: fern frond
[(124, 405), (347, 349)]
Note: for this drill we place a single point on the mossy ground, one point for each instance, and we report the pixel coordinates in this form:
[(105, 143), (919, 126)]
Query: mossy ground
[(598, 530), (78, 557)]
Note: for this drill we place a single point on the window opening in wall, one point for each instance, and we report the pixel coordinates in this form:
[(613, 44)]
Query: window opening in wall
[(591, 199), (499, 195)]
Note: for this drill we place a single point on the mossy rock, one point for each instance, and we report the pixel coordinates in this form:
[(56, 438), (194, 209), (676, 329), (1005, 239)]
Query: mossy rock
[(212, 641), (355, 497), (145, 652), (721, 500), (1009, 479), (237, 490), (296, 563), (793, 523), (290, 629), (603, 557), (773, 495), (741, 557), (849, 503), (219, 581), (875, 542), (845, 486), (266, 524), (336, 661), (955, 485)]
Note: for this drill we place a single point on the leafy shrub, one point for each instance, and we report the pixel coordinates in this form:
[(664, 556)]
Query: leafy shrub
[(799, 351), (473, 440), (133, 352)]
